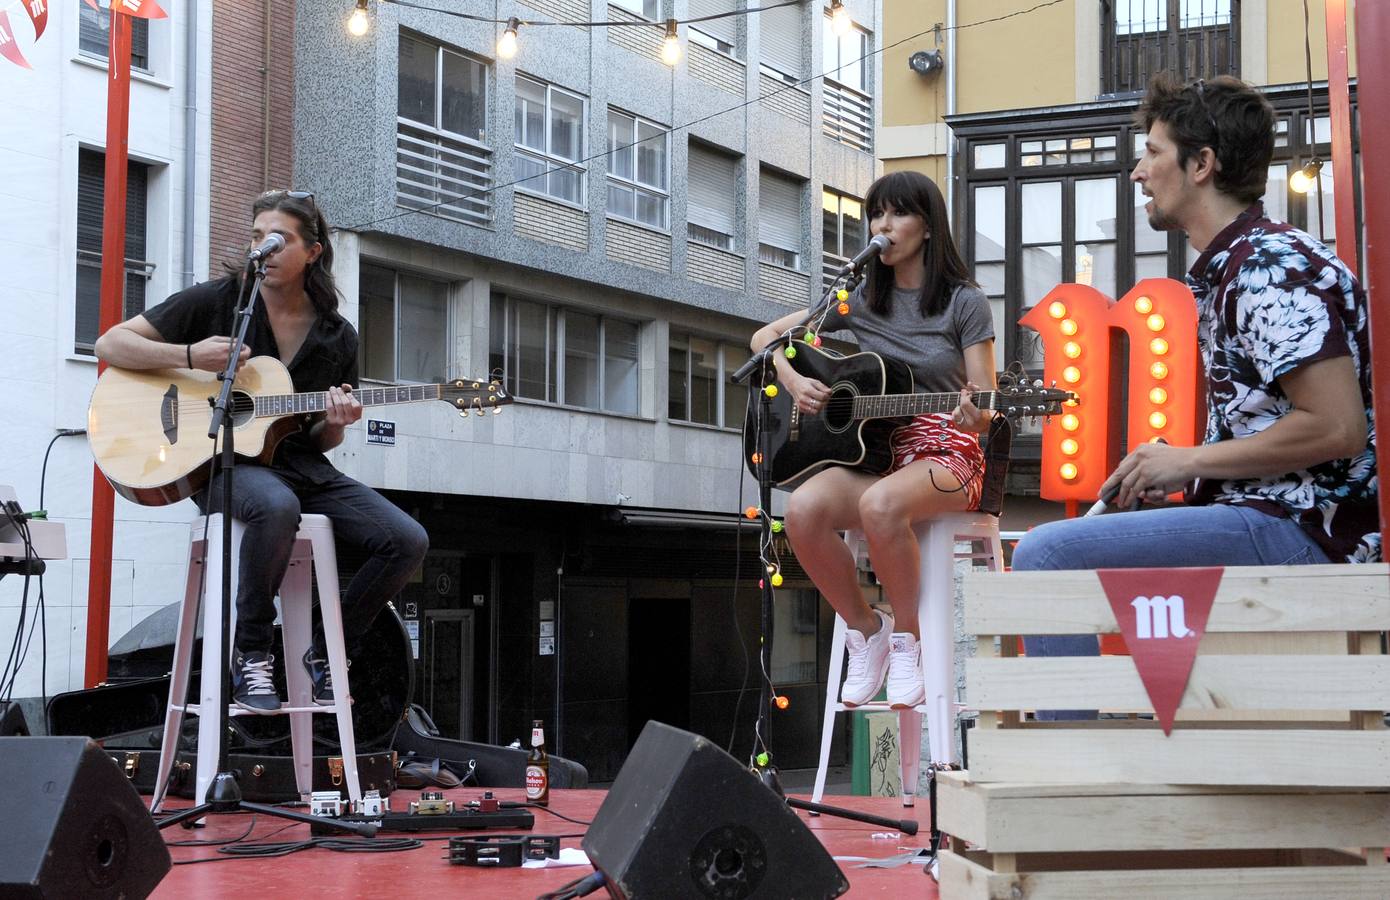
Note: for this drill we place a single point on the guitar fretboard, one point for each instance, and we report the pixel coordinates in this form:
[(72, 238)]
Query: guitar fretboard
[(889, 406), (317, 401)]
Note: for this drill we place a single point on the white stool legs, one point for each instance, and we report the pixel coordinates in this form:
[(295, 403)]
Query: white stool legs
[(313, 550), (937, 538)]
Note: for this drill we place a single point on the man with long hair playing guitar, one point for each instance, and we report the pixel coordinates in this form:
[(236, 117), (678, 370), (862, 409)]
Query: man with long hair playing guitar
[(297, 322)]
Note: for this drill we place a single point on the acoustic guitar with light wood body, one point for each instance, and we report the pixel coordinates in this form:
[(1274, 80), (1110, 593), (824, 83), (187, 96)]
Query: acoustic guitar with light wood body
[(148, 429)]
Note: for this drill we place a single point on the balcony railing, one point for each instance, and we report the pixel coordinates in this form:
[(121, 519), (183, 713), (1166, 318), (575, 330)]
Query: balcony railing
[(848, 116), (831, 264), (449, 176), (1197, 40)]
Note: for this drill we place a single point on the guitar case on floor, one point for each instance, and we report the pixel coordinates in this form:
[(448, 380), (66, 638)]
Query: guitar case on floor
[(418, 738)]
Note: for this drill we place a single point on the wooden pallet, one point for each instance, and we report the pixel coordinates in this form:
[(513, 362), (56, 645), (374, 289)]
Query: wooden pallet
[(1289, 687), (1074, 842)]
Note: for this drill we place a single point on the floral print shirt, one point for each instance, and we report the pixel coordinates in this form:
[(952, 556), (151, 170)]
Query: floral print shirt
[(1270, 299)]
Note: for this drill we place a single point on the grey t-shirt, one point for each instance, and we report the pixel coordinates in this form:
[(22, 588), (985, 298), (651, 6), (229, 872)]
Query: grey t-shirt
[(932, 346)]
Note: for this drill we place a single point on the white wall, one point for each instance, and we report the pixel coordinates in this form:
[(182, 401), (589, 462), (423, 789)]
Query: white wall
[(46, 115)]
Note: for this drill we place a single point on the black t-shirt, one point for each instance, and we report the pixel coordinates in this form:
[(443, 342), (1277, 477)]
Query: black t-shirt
[(328, 356)]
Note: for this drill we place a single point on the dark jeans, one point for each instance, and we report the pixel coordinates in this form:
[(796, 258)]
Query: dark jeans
[(1216, 535), (269, 502)]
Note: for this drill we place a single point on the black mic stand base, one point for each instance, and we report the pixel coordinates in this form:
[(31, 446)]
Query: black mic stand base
[(767, 774)]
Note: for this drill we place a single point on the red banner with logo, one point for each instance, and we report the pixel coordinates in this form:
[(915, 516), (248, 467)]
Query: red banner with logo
[(141, 9), (8, 48), (38, 14), (1162, 614)]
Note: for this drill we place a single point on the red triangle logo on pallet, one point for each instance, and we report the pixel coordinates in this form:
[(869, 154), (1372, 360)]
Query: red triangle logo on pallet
[(1162, 614)]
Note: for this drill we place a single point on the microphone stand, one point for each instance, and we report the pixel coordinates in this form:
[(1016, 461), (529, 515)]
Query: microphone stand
[(224, 794), (762, 764)]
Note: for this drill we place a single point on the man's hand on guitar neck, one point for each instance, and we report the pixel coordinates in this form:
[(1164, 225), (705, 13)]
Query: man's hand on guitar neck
[(210, 354), (343, 409)]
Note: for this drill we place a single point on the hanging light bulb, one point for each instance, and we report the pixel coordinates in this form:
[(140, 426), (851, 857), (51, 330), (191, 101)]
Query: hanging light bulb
[(358, 23), (839, 18), (671, 47), (1303, 180), (506, 44)]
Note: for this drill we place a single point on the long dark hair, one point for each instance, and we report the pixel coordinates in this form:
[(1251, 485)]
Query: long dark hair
[(313, 229), (913, 192)]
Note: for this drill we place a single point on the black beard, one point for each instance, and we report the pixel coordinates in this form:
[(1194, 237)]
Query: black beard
[(1160, 221)]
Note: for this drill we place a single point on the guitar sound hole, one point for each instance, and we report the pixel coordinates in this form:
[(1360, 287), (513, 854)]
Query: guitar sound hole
[(243, 408), (839, 410)]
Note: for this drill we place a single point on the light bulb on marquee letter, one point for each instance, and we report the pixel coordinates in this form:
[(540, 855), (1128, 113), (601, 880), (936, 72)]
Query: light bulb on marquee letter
[(1076, 323)]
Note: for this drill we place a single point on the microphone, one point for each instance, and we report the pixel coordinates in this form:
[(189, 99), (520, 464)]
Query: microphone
[(272, 244), (875, 247)]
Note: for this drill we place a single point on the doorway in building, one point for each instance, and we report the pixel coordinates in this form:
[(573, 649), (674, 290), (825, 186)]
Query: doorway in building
[(658, 663), (451, 609), (447, 684)]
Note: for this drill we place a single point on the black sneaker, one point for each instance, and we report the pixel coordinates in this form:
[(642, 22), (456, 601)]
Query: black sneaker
[(253, 682), (320, 677)]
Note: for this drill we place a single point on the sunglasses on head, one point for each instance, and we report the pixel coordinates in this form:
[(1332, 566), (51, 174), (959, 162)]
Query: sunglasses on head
[(1200, 86), (293, 195)]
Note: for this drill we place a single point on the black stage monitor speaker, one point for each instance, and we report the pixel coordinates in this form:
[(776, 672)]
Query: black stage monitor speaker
[(12, 719), (74, 825), (685, 819)]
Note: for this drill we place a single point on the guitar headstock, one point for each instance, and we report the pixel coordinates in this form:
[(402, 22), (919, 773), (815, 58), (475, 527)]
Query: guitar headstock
[(1023, 400), (476, 395)]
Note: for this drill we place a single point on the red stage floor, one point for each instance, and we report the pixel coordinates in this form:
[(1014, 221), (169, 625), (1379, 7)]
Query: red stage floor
[(423, 872)]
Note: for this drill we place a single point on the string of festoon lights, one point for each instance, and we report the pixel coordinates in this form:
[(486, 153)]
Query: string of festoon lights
[(359, 23)]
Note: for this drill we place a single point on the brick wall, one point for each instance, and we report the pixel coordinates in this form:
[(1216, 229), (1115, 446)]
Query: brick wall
[(239, 173), (782, 285), (554, 223), (714, 266), (716, 69), (778, 96), (640, 246), (642, 40), (561, 10)]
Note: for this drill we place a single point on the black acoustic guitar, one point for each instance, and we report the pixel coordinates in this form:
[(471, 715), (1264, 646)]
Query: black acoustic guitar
[(870, 397)]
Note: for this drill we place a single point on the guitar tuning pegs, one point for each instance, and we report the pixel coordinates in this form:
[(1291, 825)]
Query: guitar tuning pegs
[(463, 413), (1038, 383), (497, 410)]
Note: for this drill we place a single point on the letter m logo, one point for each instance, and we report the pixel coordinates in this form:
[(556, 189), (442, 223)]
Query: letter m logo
[(1159, 617)]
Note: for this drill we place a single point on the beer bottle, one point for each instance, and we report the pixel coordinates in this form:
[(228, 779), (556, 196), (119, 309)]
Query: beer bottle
[(538, 767)]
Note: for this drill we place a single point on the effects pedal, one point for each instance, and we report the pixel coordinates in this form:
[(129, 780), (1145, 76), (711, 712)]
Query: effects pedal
[(432, 812)]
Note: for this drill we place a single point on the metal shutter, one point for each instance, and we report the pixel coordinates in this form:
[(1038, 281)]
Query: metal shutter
[(779, 219), (713, 182)]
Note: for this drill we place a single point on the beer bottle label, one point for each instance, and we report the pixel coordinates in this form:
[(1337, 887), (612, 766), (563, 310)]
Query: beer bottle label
[(535, 782)]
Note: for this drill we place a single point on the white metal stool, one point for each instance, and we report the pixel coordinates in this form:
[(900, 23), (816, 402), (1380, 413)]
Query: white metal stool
[(313, 551), (937, 539)]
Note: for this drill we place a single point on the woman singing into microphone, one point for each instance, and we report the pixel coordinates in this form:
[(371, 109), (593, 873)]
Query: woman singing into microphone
[(917, 305)]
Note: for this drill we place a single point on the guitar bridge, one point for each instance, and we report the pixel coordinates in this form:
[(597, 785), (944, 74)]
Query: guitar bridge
[(169, 414)]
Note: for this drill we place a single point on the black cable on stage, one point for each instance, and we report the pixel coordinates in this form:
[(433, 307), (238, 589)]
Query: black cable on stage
[(285, 848), (222, 843), (577, 888), (546, 809)]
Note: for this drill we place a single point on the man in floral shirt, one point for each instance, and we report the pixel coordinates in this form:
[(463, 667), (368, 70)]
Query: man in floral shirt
[(1286, 473)]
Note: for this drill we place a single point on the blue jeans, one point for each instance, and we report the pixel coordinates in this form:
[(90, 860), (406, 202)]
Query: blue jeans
[(1216, 535), (269, 501)]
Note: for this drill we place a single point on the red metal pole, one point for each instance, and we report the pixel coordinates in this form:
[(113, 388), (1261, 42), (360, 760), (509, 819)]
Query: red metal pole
[(1339, 102), (1373, 63), (112, 295)]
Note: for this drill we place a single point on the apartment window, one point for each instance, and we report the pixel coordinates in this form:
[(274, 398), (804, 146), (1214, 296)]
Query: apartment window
[(94, 35), (549, 137), (650, 9), (842, 231), (712, 211), (847, 113), (403, 326), (91, 184), (717, 34), (779, 30), (700, 388), (442, 89), (561, 355), (638, 170), (779, 221), (442, 164), (1194, 38)]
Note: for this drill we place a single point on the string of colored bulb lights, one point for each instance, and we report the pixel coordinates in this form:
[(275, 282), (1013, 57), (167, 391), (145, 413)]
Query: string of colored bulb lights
[(684, 126)]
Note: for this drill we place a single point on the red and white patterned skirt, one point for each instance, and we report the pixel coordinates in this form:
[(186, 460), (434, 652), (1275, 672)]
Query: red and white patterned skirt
[(933, 436)]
